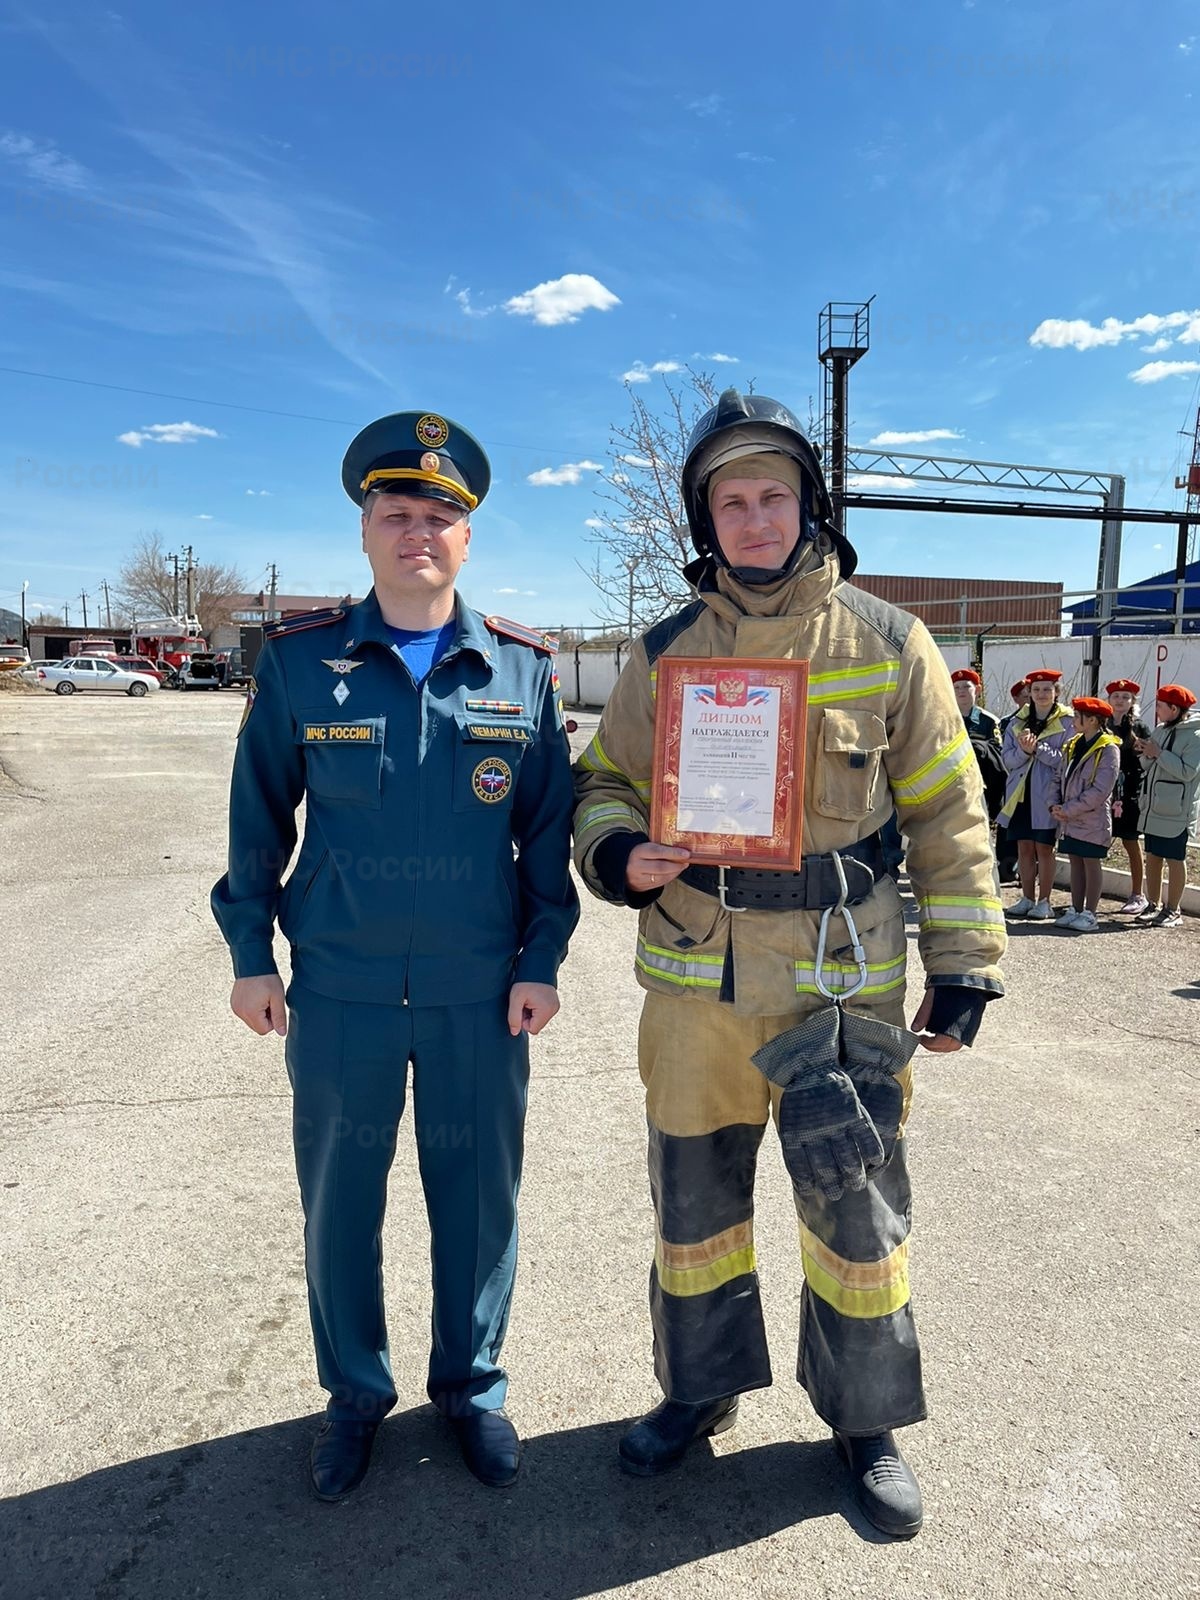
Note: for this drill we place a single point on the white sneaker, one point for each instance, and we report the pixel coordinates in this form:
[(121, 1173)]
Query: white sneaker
[(1085, 922), (1069, 918), (1041, 912), (1021, 907)]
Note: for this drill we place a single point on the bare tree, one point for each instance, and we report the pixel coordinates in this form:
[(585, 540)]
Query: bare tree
[(146, 585), (47, 619), (643, 541)]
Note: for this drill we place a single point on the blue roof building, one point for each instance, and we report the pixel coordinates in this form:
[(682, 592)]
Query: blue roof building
[(1145, 607)]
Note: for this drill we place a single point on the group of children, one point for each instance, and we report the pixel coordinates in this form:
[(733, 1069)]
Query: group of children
[(1076, 777)]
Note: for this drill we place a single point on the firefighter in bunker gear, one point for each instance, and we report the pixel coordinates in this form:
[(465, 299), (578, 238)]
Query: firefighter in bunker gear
[(733, 959)]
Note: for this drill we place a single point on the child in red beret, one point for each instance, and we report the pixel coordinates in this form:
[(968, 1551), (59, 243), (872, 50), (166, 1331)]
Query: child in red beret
[(1128, 726), (1091, 765), (1172, 809)]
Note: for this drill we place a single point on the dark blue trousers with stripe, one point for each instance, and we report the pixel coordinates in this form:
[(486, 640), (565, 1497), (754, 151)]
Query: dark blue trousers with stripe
[(348, 1064)]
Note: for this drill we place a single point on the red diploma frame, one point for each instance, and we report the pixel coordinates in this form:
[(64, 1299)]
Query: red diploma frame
[(728, 777)]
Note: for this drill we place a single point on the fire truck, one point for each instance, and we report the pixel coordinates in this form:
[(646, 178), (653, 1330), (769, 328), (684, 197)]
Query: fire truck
[(169, 642)]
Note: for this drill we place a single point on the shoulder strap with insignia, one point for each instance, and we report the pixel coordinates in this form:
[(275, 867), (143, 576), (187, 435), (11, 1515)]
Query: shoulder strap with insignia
[(524, 635), (306, 619)]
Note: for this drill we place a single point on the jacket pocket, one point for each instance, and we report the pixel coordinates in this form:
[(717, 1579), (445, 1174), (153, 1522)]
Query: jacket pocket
[(487, 761), (343, 759), (682, 939), (1167, 799), (849, 754), (293, 898)]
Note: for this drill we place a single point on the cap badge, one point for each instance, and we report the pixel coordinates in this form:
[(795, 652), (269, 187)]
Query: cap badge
[(433, 431), (431, 462)]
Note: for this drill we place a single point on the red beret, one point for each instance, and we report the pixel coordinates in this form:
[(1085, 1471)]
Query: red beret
[(1022, 683), (1174, 694), (967, 675), (1043, 675), (1127, 684), (1087, 706)]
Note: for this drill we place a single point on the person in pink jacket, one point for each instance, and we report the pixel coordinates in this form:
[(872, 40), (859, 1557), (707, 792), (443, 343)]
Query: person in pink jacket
[(1032, 755), (1091, 765)]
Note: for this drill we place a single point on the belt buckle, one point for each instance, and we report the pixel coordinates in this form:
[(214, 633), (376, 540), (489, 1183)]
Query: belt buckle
[(721, 888)]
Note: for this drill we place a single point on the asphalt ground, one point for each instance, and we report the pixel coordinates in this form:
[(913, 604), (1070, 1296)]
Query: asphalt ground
[(155, 1365)]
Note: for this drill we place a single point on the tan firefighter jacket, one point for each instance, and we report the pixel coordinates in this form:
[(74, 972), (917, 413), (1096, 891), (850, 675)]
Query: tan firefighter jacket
[(884, 731)]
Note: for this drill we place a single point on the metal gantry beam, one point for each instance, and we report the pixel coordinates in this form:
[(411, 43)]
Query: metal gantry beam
[(977, 474)]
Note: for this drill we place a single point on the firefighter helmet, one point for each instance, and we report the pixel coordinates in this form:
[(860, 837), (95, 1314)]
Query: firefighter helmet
[(768, 426)]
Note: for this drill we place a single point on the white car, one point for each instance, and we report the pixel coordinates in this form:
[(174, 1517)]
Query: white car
[(93, 672)]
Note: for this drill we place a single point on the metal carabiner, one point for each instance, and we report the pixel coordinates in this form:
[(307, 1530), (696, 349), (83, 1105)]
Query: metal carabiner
[(721, 886), (860, 955)]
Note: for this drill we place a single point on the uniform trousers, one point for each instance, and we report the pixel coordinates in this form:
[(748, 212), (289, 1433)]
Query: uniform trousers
[(707, 1106), (348, 1065)]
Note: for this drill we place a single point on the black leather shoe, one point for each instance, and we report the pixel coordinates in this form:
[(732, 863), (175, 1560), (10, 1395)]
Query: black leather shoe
[(661, 1439), (489, 1446), (884, 1484), (340, 1456)]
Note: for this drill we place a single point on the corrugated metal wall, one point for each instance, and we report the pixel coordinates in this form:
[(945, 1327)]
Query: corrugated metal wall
[(939, 602)]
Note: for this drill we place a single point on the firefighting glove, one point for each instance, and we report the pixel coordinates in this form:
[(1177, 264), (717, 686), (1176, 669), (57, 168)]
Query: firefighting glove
[(829, 1141), (873, 1052)]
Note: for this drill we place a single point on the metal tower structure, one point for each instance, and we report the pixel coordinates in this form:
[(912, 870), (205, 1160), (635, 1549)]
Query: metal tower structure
[(1192, 484), (843, 338)]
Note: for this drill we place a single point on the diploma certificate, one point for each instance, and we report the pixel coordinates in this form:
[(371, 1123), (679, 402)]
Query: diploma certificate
[(728, 778)]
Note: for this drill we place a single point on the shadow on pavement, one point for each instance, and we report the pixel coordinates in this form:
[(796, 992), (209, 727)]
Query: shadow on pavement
[(233, 1517)]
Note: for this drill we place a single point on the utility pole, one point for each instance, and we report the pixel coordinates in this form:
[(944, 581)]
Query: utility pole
[(107, 605), (66, 614), (190, 580), (271, 617), (24, 630), (175, 606), (83, 597)]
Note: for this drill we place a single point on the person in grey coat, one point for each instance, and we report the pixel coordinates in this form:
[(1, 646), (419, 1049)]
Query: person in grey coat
[(1032, 755), (1171, 804), (1091, 766)]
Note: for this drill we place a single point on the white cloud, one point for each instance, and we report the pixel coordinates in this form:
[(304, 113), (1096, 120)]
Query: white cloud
[(878, 480), (717, 356), (43, 162), (1187, 46), (1076, 334), (706, 106), (528, 592), (167, 433), (569, 472), (1156, 371), (263, 493), (203, 516), (639, 372), (636, 461), (562, 299), (463, 296), (919, 436), (592, 522), (1159, 344)]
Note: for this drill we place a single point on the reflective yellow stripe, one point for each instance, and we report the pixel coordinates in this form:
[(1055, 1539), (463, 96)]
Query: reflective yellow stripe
[(605, 813), (852, 683), (960, 911), (675, 967), (840, 975), (690, 1269), (595, 759), (855, 1288), (936, 775)]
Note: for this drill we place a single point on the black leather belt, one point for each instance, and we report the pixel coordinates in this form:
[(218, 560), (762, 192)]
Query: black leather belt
[(814, 888)]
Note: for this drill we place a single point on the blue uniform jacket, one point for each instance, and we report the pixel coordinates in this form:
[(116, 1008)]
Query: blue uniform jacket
[(407, 888)]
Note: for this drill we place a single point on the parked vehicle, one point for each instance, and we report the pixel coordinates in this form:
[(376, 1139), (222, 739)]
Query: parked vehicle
[(170, 640), (198, 671), (93, 673), (232, 669), (13, 657), (139, 664)]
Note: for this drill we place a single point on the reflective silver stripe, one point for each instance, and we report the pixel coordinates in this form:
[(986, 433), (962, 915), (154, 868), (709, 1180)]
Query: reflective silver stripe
[(698, 972)]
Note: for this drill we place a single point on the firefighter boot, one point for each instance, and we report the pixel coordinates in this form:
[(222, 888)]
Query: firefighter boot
[(885, 1487), (661, 1439)]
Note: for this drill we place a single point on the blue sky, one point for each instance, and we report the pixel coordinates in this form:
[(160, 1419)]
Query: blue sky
[(498, 213)]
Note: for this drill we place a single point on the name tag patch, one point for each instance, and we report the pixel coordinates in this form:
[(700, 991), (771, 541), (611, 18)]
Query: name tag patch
[(489, 730), (340, 733)]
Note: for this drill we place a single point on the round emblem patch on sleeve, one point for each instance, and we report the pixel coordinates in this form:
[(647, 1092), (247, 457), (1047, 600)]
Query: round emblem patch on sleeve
[(491, 780)]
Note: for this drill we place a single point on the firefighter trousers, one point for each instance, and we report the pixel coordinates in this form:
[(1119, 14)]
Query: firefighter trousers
[(348, 1064), (707, 1107)]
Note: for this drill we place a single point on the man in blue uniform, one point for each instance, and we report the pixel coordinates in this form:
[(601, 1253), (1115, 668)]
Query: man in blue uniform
[(426, 742)]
